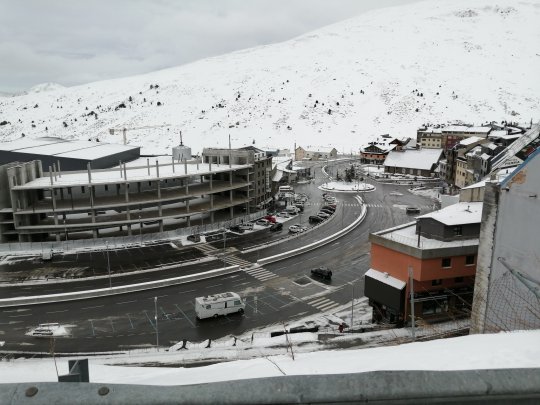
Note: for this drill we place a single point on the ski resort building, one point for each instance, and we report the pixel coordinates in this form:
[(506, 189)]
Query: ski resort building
[(315, 153), (435, 256)]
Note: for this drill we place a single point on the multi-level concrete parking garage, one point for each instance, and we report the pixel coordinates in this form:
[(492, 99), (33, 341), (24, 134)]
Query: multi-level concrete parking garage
[(35, 206)]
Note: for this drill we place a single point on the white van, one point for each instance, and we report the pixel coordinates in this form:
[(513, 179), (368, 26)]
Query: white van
[(218, 304)]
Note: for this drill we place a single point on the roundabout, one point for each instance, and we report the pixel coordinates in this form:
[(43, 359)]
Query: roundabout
[(346, 187)]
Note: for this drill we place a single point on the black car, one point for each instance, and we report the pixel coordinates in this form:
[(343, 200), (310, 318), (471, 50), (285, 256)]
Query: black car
[(315, 218), (322, 272), (328, 207), (278, 226), (327, 211), (237, 229), (412, 210)]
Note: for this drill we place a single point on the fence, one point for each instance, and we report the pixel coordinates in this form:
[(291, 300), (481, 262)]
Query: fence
[(113, 242)]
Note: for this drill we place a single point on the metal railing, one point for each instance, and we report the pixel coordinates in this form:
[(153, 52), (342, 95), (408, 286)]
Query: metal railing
[(516, 386)]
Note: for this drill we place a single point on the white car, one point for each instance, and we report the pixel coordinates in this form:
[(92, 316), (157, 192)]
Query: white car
[(295, 229), (283, 214)]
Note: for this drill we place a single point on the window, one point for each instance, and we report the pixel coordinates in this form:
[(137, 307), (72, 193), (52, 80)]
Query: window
[(446, 262), (436, 282), (458, 230), (458, 280), (469, 260)]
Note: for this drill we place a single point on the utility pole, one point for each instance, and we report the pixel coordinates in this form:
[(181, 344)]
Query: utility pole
[(412, 302), (65, 231), (155, 317), (140, 229), (352, 305), (108, 264)]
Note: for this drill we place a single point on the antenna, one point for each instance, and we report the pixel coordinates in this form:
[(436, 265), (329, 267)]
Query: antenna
[(181, 143)]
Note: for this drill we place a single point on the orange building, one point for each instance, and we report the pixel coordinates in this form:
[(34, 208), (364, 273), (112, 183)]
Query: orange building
[(438, 252)]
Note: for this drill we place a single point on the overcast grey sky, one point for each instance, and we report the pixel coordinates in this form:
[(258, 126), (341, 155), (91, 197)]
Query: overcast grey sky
[(73, 42)]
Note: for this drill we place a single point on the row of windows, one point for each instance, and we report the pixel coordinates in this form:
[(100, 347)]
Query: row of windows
[(439, 281), (447, 261)]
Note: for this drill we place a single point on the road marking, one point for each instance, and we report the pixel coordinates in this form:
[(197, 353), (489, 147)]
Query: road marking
[(149, 320), (157, 296), (17, 316), (125, 302), (215, 285), (130, 321), (181, 292), (185, 316), (97, 306), (56, 312), (92, 326), (16, 310), (112, 325)]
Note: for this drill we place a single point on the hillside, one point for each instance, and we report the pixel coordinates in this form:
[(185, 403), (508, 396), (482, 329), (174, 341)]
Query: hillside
[(387, 70)]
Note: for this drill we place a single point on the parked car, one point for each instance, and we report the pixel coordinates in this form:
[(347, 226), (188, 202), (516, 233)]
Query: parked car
[(194, 238), (237, 229), (328, 207), (278, 226), (270, 218), (263, 222), (323, 214), (295, 229), (283, 214), (246, 226), (412, 210), (322, 272), (327, 211), (315, 218), (300, 207)]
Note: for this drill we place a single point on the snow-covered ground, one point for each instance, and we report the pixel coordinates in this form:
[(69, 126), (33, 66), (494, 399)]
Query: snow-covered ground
[(351, 187), (496, 351), (385, 71)]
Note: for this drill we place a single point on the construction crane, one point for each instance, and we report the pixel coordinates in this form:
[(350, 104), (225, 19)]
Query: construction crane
[(113, 131)]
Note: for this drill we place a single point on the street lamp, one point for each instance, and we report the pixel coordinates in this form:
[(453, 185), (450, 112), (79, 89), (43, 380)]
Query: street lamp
[(352, 305), (108, 264), (65, 232), (155, 318), (140, 229)]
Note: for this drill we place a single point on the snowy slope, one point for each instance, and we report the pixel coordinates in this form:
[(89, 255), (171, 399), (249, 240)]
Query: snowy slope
[(472, 61)]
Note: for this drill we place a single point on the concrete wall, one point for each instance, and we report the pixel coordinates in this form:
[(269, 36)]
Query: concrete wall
[(509, 235)]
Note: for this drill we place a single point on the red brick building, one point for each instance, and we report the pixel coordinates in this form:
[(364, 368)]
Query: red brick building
[(440, 249)]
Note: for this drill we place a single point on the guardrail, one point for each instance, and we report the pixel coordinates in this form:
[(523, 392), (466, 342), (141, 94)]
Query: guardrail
[(103, 292), (516, 386), (123, 241)]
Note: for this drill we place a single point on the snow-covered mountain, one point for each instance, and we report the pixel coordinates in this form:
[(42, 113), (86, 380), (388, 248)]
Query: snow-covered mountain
[(387, 70)]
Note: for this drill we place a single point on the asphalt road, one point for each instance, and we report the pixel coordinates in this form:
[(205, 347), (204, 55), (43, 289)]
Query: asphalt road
[(277, 293)]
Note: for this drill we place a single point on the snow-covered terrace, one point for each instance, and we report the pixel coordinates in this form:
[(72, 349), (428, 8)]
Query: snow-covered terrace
[(458, 214), (406, 235), (115, 176)]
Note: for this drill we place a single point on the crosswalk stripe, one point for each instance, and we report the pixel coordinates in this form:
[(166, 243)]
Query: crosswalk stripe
[(257, 271), (267, 277), (319, 300), (327, 306)]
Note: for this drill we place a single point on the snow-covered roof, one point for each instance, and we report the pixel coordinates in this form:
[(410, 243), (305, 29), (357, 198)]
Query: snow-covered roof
[(498, 133), (386, 279), (50, 146), (316, 149), (422, 159), (458, 214), (465, 129), (470, 140), (113, 176), (406, 235)]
